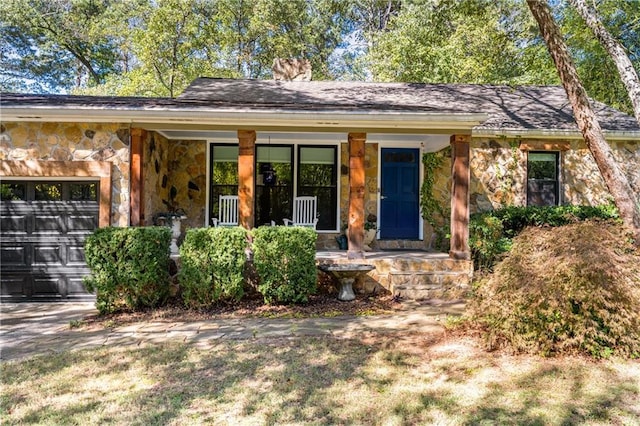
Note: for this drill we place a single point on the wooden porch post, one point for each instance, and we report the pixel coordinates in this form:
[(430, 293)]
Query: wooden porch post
[(356, 195), (461, 176), (246, 183), (136, 203)]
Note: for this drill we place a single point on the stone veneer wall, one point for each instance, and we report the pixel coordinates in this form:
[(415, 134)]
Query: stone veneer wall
[(175, 164), (582, 182), (155, 156), (499, 173), (187, 172), (442, 194), (75, 142)]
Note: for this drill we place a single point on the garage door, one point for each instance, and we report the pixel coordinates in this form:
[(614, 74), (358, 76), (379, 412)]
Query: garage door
[(43, 228)]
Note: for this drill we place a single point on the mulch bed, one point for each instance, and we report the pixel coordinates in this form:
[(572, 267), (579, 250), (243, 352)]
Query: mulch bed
[(320, 305)]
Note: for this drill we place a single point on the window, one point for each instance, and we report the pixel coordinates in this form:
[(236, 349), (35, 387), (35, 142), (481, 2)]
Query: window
[(542, 179), (274, 187), (224, 174), (83, 191), (317, 176), (48, 192), (66, 191), (13, 191), (315, 169)]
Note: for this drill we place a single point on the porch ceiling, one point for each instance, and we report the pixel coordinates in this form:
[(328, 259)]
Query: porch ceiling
[(429, 142)]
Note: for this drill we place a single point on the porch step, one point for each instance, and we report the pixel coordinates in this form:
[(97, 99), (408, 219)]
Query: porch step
[(420, 285)]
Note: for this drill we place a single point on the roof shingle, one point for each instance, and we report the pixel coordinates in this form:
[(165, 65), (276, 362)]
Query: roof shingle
[(508, 108)]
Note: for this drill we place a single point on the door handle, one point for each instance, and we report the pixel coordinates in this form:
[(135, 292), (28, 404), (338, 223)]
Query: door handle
[(382, 197)]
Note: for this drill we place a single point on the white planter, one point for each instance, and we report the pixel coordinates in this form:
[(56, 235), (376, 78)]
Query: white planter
[(175, 234), (369, 237)]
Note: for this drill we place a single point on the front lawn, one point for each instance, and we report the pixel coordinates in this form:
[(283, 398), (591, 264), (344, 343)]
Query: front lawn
[(399, 379)]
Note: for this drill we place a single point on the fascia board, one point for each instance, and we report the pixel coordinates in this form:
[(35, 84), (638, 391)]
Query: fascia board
[(246, 118), (551, 134)]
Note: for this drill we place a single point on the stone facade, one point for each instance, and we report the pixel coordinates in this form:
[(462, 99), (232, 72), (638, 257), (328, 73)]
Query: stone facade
[(499, 172), (442, 193), (582, 182), (175, 167), (498, 175), (75, 142), (154, 174)]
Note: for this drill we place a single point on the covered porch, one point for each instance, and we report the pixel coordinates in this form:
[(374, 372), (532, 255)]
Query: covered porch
[(355, 192)]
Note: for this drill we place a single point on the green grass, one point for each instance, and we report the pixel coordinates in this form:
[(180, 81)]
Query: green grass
[(389, 380)]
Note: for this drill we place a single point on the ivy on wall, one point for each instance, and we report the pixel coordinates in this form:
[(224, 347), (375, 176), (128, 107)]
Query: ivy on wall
[(432, 211)]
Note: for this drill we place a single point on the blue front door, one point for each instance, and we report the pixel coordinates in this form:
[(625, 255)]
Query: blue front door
[(400, 195)]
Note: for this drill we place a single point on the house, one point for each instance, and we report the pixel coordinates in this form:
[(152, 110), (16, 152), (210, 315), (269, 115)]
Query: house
[(72, 163)]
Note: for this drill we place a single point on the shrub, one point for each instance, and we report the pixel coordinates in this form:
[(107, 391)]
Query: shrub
[(213, 262), (568, 290), (285, 260), (129, 267), (491, 232), (487, 241)]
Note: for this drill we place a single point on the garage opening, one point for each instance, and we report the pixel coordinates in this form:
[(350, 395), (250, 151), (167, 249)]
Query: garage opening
[(43, 225)]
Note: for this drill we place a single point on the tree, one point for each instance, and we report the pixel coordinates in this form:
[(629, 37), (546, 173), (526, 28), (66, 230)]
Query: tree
[(139, 47), (616, 50), (460, 41), (616, 181), (60, 45)]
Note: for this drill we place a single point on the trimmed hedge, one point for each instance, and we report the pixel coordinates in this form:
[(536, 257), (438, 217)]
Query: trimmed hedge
[(129, 267), (491, 232), (213, 262), (285, 260)]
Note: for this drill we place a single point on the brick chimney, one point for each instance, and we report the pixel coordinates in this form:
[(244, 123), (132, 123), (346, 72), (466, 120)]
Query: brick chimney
[(291, 69)]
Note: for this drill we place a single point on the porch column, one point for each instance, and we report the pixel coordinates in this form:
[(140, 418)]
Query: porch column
[(136, 203), (461, 176), (246, 184), (356, 195)]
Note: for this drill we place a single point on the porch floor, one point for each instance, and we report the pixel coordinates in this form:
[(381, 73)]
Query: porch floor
[(381, 254), (409, 274)]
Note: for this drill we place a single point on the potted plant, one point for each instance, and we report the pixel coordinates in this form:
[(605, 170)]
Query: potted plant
[(370, 231)]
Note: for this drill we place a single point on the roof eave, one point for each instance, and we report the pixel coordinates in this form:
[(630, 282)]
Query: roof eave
[(630, 135), (248, 118)]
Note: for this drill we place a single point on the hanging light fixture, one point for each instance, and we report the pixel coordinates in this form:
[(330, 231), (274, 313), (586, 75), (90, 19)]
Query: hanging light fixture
[(268, 173)]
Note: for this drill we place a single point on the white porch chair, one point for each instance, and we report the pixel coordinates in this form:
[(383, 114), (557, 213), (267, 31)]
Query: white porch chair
[(227, 211), (305, 212)]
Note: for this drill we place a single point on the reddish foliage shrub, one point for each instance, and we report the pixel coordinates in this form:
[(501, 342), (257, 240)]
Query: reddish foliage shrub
[(568, 290)]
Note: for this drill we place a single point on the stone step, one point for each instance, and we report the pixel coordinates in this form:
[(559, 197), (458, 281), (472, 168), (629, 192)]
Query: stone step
[(443, 285), (409, 265)]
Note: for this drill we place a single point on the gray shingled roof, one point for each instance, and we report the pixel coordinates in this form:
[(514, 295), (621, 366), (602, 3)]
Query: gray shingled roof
[(508, 108), (524, 107)]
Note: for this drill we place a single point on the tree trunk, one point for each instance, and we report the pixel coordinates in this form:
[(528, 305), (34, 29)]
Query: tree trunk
[(627, 72), (588, 124)]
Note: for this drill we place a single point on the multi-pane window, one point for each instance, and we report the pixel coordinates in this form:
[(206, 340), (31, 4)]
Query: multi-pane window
[(315, 168), (543, 179), (224, 174), (49, 191), (317, 176), (274, 183)]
